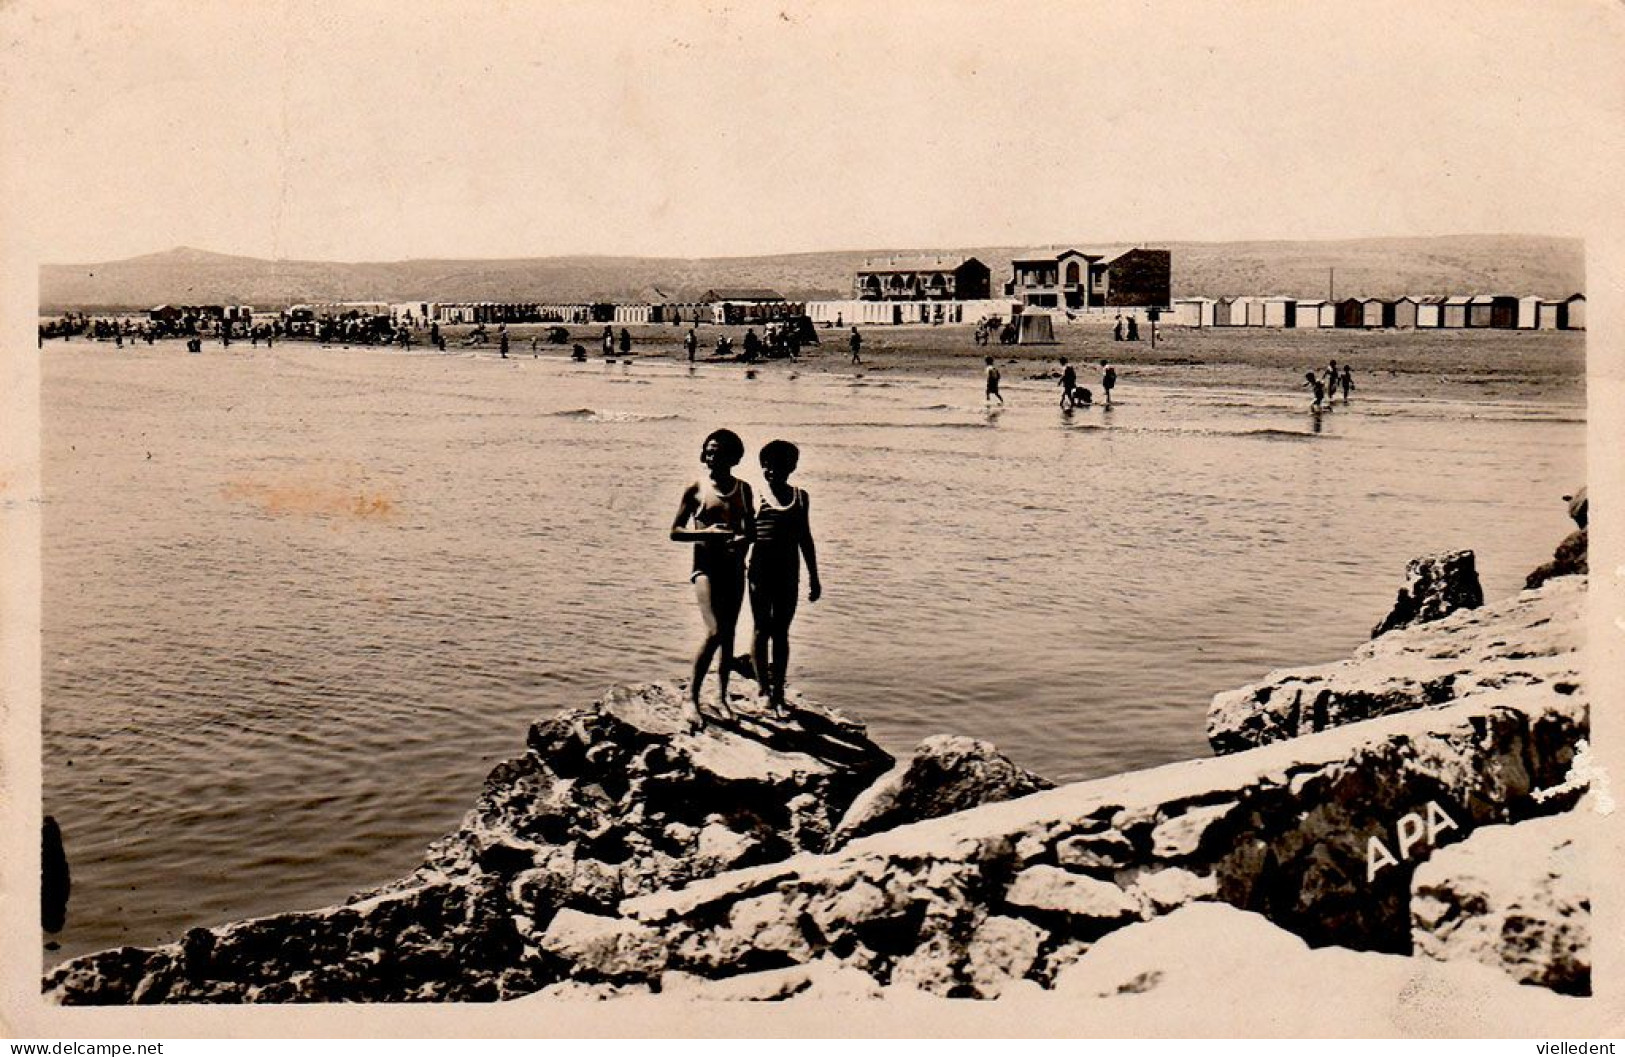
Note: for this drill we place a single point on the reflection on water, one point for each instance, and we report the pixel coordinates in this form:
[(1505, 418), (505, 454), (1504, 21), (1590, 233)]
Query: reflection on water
[(299, 602)]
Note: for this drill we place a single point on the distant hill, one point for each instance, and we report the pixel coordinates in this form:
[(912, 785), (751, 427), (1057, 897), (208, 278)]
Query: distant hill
[(1516, 264)]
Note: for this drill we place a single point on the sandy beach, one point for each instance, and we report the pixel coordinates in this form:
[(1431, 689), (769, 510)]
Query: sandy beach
[(1543, 366)]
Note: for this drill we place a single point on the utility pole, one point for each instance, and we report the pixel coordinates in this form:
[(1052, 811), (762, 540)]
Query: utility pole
[(1331, 284)]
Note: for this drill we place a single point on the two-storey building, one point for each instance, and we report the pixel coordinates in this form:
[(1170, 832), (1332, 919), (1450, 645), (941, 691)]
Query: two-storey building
[(1074, 279), (923, 279)]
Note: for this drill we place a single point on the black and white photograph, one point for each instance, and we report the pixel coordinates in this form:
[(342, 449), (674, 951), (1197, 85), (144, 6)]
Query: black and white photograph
[(1053, 519)]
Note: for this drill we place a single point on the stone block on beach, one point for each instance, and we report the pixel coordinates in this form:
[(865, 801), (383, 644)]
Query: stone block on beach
[(1513, 897), (946, 773)]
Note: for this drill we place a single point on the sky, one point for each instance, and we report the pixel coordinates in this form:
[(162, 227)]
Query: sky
[(381, 131)]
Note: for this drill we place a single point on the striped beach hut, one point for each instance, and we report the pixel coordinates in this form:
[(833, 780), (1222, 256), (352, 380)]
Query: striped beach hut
[(1306, 314), (1402, 312), (1374, 312), (1455, 311), (1430, 312), (1280, 311)]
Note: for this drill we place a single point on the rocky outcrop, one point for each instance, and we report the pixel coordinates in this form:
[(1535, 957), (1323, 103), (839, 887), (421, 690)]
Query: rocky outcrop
[(1531, 639), (1514, 897), (1210, 969), (625, 854), (1005, 896), (1435, 587), (1571, 557), (946, 773), (610, 801), (1205, 970)]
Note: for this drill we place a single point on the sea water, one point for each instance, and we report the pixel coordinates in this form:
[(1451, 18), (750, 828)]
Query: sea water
[(299, 601)]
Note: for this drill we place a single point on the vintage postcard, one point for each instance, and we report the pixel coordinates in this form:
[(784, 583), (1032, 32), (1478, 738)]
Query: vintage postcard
[(681, 519)]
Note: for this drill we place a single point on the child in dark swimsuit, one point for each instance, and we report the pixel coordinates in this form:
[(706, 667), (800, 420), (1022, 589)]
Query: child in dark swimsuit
[(783, 540), (716, 515), (1317, 387)]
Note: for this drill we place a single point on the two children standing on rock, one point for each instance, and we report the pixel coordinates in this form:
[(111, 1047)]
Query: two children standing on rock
[(725, 521)]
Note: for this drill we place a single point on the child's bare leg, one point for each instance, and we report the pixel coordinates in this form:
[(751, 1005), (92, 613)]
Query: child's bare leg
[(784, 611), (758, 645), (708, 648), (781, 663), (726, 604), (758, 656), (725, 640)]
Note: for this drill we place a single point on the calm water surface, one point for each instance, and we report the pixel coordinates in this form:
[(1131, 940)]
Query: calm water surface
[(299, 602)]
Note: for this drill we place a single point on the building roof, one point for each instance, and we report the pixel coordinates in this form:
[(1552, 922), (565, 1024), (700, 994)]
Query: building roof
[(741, 294), (1051, 256), (909, 265), (1459, 299)]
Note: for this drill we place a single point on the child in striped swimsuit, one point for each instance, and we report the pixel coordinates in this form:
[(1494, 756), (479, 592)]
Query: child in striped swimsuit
[(783, 540)]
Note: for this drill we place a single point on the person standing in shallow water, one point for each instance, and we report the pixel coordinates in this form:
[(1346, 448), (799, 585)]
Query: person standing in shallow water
[(856, 341), (717, 515), (1317, 387), (1108, 380), (1347, 380), (783, 540), (1069, 382), (992, 383)]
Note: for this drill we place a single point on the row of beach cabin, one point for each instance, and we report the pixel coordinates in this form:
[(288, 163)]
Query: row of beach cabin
[(1465, 311)]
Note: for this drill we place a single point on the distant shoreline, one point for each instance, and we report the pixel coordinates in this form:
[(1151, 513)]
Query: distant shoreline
[(1546, 367)]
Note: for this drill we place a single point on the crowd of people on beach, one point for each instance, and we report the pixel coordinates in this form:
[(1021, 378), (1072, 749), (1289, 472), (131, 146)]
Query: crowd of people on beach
[(779, 340), (746, 542)]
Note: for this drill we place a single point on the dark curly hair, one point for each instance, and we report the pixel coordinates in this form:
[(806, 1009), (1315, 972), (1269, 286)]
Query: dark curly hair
[(729, 446), (780, 453)]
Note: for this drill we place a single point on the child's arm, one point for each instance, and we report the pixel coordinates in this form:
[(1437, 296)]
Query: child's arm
[(749, 536), (809, 552), (685, 511)]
